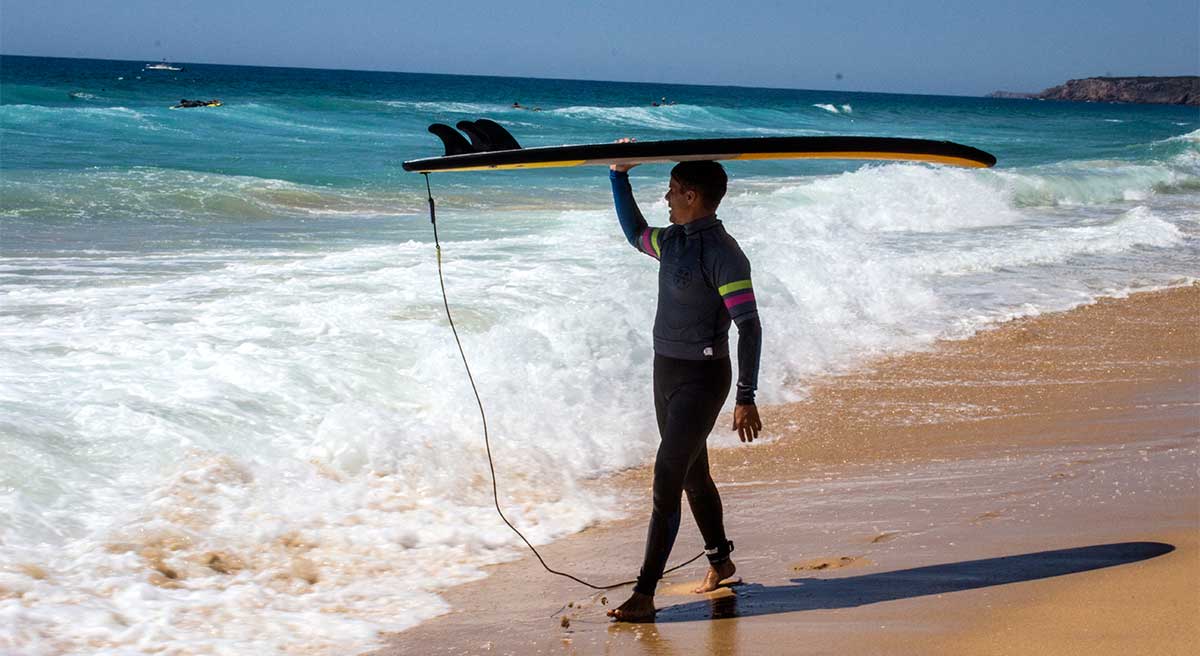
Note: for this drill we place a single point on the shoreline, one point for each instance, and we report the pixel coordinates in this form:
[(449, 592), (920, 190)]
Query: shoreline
[(1029, 448)]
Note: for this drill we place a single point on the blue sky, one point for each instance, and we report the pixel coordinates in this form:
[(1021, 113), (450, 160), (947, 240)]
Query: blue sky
[(916, 46)]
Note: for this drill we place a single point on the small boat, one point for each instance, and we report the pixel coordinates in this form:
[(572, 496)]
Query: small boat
[(163, 66)]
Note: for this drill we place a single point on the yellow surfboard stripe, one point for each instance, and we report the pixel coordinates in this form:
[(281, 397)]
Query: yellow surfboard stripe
[(917, 157), (502, 167)]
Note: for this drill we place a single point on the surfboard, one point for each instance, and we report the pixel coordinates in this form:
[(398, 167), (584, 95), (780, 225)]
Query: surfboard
[(484, 145)]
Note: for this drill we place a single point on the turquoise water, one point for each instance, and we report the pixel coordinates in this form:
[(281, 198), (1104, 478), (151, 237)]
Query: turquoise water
[(220, 330), (299, 141)]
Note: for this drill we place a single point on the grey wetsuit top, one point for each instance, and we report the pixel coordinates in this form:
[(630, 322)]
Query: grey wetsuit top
[(703, 286)]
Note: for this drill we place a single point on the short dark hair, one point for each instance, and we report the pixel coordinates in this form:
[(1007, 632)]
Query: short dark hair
[(705, 177)]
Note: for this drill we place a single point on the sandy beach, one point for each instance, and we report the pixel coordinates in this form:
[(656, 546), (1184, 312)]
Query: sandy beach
[(1032, 489)]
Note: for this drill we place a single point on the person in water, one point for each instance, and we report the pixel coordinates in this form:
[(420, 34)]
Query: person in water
[(703, 286), (185, 103)]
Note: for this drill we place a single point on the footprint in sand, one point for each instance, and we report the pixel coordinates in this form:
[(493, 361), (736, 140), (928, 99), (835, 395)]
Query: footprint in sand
[(991, 514), (886, 536), (839, 562)]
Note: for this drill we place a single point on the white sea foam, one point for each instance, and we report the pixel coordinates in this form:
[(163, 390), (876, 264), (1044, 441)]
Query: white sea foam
[(18, 114), (901, 198), (1095, 182), (155, 192), (835, 109), (681, 117), (1190, 137), (661, 118), (243, 414), (1136, 228), (425, 107)]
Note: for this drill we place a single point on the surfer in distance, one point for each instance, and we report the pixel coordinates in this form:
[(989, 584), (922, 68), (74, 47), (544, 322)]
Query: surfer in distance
[(186, 104), (703, 286)]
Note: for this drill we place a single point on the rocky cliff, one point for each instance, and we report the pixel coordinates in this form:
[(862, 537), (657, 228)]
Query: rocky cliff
[(1179, 90)]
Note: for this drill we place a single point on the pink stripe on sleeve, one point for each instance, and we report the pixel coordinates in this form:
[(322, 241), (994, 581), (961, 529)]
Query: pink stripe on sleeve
[(647, 248), (737, 299)]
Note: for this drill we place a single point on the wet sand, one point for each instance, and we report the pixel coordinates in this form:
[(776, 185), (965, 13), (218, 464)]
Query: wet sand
[(1032, 489)]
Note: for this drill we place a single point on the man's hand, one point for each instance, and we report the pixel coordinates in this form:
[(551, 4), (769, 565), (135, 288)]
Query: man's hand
[(746, 421), (622, 168)]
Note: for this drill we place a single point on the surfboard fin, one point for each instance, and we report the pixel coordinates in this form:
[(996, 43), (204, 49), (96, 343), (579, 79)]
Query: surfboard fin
[(496, 133), (479, 139), (455, 143), (485, 135)]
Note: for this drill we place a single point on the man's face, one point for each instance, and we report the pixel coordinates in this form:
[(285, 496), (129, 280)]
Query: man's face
[(680, 200)]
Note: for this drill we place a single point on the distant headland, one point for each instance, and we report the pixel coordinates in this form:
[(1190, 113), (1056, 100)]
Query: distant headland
[(1176, 90)]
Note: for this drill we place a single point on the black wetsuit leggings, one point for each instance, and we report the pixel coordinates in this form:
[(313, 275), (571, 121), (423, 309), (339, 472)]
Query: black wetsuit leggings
[(688, 395)]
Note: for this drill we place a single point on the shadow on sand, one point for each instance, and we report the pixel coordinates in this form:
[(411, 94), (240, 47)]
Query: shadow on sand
[(844, 592)]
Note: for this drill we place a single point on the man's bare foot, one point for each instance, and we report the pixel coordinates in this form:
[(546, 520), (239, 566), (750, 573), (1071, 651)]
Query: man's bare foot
[(638, 608), (714, 576)]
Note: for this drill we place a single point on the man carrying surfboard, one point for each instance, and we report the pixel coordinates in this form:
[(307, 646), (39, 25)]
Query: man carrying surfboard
[(703, 286)]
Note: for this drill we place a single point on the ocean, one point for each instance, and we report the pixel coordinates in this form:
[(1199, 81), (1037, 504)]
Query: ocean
[(232, 414)]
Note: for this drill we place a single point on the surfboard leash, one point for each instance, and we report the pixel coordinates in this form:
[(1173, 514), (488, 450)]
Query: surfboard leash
[(483, 417)]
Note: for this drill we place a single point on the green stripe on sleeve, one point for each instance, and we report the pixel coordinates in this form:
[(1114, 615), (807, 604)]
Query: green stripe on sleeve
[(654, 241), (736, 286)]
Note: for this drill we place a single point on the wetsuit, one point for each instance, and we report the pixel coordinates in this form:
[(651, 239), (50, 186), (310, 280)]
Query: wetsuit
[(703, 286)]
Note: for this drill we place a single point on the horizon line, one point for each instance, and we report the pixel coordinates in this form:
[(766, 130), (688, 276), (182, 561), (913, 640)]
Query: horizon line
[(506, 77)]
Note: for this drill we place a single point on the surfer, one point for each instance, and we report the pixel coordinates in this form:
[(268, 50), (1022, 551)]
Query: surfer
[(703, 286), (186, 104)]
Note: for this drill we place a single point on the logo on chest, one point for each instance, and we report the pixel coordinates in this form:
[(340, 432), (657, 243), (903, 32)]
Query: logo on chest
[(682, 277)]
